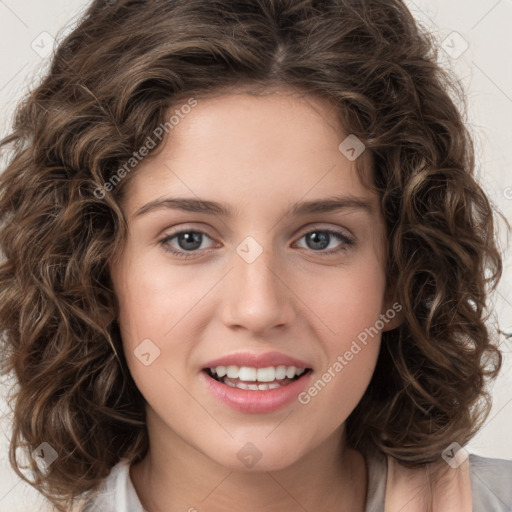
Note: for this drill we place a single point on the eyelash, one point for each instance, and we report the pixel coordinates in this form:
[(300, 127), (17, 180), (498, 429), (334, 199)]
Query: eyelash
[(348, 242)]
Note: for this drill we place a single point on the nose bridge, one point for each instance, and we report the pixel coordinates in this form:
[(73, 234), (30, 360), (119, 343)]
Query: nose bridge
[(258, 298)]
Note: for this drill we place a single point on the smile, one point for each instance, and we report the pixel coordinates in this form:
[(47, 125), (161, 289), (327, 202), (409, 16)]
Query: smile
[(255, 379), (256, 383)]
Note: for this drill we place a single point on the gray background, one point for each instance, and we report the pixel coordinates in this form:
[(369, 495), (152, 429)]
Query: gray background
[(475, 35)]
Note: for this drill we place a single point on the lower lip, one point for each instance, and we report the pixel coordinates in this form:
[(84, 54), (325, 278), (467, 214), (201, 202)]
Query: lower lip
[(258, 402)]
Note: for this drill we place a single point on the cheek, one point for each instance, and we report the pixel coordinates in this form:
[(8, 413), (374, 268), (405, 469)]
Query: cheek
[(158, 305), (335, 392), (345, 302), (337, 387), (348, 308), (154, 297)]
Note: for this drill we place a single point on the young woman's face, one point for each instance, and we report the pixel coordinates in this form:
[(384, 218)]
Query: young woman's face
[(270, 287)]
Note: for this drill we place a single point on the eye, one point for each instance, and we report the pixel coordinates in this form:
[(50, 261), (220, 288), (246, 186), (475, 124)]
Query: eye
[(319, 239), (190, 241)]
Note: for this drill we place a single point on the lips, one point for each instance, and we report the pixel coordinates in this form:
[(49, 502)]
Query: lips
[(256, 383), (256, 360)]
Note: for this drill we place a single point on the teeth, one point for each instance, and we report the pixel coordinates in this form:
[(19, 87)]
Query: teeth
[(250, 374), (267, 374), (281, 372), (253, 387), (233, 372), (220, 371)]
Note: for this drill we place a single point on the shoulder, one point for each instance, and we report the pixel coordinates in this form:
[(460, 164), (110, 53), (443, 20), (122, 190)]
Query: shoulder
[(116, 493), (491, 483)]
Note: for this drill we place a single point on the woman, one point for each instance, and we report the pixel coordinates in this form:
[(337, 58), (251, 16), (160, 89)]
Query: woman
[(323, 339)]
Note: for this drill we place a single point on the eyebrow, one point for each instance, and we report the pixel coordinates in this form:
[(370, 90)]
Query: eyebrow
[(330, 204)]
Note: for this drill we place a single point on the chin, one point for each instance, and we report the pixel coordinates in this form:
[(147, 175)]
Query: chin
[(258, 455)]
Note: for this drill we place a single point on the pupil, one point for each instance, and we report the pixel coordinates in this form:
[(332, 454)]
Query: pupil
[(195, 240), (319, 237)]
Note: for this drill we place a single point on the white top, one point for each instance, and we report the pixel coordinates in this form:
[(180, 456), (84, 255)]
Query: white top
[(491, 484)]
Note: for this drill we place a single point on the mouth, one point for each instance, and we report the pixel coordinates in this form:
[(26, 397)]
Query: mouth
[(256, 390), (256, 379), (261, 383)]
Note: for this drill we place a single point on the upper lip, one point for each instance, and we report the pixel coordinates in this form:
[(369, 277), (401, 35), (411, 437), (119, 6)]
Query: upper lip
[(252, 360)]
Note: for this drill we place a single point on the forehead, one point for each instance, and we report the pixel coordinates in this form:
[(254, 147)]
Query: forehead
[(276, 146)]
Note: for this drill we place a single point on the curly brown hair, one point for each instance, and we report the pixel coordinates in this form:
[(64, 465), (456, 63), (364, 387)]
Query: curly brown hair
[(111, 83)]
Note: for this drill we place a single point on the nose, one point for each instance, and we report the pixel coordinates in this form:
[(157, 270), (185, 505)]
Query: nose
[(258, 296)]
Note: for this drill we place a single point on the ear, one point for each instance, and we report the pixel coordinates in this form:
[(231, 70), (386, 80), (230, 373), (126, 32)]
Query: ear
[(392, 313)]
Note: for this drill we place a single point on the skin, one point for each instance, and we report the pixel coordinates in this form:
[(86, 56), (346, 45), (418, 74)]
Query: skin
[(258, 154)]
